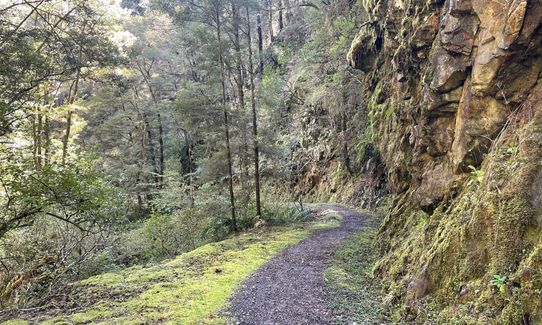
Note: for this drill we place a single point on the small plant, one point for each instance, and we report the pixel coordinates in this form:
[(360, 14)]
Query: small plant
[(512, 149), (477, 175), (499, 282)]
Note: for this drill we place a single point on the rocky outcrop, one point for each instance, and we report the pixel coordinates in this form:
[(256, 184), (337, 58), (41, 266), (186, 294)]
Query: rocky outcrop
[(452, 90)]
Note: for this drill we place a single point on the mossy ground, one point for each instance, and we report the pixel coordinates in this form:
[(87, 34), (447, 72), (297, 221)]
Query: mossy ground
[(357, 294), (191, 289), (438, 267)]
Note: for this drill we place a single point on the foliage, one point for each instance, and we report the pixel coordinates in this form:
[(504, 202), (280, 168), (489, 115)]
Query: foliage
[(477, 176), (53, 220), (37, 48), (113, 122), (189, 289), (499, 282), (74, 193)]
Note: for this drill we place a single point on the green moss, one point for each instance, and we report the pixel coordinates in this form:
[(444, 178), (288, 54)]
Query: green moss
[(201, 296), (488, 228), (390, 109), (91, 315), (190, 289), (350, 274), (107, 279)]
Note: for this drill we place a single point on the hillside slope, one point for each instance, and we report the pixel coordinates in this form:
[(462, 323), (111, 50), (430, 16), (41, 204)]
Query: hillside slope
[(453, 92)]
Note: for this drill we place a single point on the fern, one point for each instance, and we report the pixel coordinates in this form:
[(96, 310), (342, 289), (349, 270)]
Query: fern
[(477, 176)]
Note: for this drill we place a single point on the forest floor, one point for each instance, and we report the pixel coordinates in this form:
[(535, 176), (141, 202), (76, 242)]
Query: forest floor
[(297, 274)]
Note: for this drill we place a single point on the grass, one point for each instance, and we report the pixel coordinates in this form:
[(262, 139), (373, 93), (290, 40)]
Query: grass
[(191, 289), (357, 294)]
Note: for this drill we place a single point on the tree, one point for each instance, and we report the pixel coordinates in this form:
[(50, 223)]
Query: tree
[(218, 9), (208, 86), (240, 83), (254, 119)]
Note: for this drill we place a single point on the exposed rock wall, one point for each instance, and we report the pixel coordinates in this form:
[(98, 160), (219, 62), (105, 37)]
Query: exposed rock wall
[(453, 90)]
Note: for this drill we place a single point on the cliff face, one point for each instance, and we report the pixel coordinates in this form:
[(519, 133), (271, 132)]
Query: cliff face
[(454, 97)]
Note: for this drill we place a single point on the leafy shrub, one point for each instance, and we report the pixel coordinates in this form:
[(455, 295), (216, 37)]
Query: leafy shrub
[(161, 236), (54, 221)]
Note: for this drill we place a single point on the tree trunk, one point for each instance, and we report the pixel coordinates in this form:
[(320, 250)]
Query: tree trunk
[(46, 141), (134, 152), (281, 19), (152, 152), (254, 121), (191, 177), (260, 42), (161, 162), (71, 99), (47, 135), (67, 135), (162, 165), (240, 82), (39, 130), (288, 12), (142, 175), (149, 147), (270, 19), (189, 152), (34, 138), (226, 121)]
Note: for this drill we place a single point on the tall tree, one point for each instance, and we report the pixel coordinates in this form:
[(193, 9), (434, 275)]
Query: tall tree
[(72, 95), (240, 83), (254, 119), (146, 75), (260, 41), (269, 5), (218, 21), (280, 15)]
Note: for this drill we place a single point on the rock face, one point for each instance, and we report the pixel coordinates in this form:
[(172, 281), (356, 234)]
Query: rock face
[(453, 91)]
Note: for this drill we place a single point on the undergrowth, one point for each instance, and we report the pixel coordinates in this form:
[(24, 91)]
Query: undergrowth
[(193, 288)]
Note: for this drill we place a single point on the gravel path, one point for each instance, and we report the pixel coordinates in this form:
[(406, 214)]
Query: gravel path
[(290, 288)]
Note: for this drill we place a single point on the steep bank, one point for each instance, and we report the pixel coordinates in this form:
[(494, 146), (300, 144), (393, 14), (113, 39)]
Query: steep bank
[(453, 94)]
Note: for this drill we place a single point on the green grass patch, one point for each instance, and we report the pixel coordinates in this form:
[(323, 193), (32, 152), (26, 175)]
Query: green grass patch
[(15, 322), (191, 289), (357, 294)]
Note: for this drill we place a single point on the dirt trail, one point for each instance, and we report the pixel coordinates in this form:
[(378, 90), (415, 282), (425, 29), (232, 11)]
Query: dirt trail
[(290, 288)]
